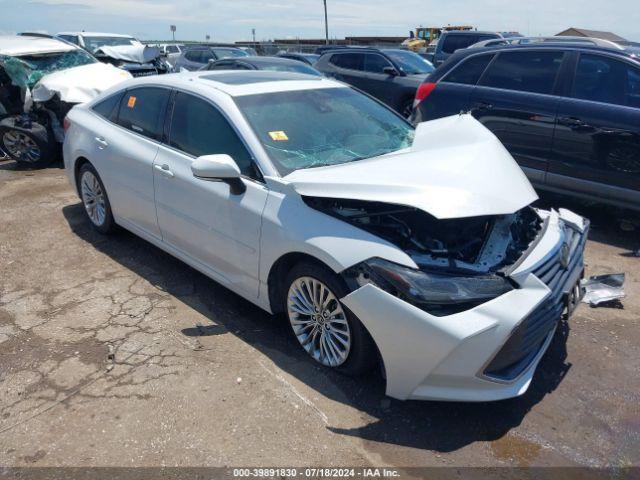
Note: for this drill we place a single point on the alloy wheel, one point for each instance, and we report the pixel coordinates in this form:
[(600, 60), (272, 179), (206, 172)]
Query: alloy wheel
[(318, 321), (21, 146), (93, 198)]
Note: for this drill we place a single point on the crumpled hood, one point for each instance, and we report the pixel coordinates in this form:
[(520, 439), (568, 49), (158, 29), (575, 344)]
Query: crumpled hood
[(130, 53), (455, 168), (78, 84)]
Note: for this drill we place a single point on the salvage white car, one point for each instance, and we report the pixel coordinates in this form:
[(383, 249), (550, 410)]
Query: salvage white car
[(40, 80), (416, 249)]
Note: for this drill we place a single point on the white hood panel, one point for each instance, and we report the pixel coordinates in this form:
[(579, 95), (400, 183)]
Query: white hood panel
[(79, 84), (455, 168)]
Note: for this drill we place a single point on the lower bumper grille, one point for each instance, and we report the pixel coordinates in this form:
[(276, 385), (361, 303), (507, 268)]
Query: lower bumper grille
[(560, 272), (143, 73)]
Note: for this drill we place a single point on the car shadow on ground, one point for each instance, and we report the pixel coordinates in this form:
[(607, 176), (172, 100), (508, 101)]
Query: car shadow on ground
[(438, 426)]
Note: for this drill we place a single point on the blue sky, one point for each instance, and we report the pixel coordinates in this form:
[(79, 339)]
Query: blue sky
[(233, 19)]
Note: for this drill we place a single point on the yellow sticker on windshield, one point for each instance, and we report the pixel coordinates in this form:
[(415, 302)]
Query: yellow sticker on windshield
[(278, 136), (132, 102)]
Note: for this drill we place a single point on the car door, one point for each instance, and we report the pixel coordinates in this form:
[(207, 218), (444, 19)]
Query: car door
[(203, 220), (516, 99), (347, 67), (596, 149), (125, 151), (192, 60), (378, 83)]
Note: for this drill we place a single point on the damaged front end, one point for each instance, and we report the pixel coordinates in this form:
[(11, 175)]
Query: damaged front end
[(138, 60), (462, 262)]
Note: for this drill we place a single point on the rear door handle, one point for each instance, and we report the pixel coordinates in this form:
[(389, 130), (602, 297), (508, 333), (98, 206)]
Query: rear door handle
[(482, 106), (102, 143), (164, 170), (572, 122)]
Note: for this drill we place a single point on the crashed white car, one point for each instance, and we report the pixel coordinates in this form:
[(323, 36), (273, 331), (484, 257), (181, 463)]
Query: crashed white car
[(122, 51), (417, 249), (40, 80)]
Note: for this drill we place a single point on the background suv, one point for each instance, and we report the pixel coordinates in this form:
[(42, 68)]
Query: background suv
[(454, 40), (194, 58), (569, 114), (390, 75)]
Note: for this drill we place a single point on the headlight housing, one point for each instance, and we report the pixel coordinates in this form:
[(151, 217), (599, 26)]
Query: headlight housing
[(438, 293)]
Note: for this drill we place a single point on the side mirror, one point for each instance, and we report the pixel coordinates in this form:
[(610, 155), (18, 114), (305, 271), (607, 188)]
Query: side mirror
[(219, 168), (391, 71)]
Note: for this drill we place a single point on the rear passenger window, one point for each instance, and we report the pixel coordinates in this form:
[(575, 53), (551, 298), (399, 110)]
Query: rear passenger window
[(607, 80), (193, 55), (142, 111), (108, 108), (469, 71), (352, 61), (198, 128), (524, 71)]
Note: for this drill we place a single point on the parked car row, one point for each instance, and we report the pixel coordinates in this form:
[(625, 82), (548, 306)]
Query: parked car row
[(383, 244), (568, 111)]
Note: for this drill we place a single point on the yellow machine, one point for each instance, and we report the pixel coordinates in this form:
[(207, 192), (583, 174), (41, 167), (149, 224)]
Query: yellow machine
[(423, 36)]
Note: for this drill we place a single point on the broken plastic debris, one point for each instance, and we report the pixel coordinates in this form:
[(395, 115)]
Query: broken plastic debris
[(603, 289)]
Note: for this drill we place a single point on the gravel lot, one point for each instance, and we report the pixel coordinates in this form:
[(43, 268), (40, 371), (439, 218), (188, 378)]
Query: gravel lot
[(112, 353)]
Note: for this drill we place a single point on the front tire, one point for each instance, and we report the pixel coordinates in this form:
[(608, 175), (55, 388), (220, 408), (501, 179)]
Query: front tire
[(95, 200), (31, 146), (326, 329)]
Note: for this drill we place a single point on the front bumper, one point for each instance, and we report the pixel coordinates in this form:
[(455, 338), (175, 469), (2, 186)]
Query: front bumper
[(491, 351)]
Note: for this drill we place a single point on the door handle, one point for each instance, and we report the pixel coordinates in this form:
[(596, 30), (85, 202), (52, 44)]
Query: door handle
[(102, 143), (572, 122), (482, 106), (164, 170)]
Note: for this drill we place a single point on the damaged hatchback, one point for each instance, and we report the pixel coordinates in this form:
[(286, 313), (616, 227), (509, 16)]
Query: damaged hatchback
[(40, 80), (415, 249)]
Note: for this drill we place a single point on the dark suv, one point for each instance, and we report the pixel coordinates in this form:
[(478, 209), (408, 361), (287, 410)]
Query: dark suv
[(451, 41), (569, 114), (390, 75)]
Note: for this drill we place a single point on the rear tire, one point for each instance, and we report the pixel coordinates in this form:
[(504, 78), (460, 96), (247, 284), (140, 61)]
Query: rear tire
[(326, 329), (95, 200), (32, 146)]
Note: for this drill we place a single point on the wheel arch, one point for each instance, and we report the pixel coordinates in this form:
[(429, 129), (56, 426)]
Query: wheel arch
[(278, 272), (79, 162)]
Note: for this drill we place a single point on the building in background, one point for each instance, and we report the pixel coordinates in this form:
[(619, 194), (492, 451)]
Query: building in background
[(583, 32)]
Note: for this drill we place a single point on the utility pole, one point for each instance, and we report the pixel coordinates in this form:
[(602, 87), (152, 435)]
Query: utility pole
[(253, 33), (326, 24)]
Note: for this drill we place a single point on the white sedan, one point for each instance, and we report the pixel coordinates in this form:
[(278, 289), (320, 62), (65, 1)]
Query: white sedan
[(414, 248)]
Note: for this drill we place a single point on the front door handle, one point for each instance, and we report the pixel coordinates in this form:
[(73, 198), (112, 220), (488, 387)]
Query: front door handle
[(102, 143), (164, 170), (572, 122)]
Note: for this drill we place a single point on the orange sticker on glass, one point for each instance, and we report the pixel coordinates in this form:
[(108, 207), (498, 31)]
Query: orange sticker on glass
[(278, 136), (132, 102)]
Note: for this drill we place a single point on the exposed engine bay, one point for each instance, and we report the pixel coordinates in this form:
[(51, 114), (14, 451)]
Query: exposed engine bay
[(475, 245)]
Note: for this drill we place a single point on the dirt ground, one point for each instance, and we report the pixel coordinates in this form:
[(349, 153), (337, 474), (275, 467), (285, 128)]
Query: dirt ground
[(113, 353)]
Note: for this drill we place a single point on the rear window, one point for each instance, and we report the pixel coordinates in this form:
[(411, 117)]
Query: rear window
[(534, 72), (142, 111), (456, 42), (603, 79), (469, 71)]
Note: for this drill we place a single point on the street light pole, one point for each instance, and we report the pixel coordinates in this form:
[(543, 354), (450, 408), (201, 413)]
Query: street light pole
[(326, 24)]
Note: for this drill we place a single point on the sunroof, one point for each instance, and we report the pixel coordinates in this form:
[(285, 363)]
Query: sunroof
[(243, 78)]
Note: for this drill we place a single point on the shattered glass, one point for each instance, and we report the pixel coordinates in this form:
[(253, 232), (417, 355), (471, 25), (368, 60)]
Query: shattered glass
[(27, 70)]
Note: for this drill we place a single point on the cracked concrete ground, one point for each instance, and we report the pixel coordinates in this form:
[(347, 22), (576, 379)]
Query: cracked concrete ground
[(112, 353)]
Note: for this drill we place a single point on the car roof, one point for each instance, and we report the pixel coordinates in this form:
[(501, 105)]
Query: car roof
[(470, 32), (24, 45), (564, 45), (237, 83), (264, 60), (97, 34)]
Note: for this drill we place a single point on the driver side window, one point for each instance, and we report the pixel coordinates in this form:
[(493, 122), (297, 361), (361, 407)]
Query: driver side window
[(198, 128)]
